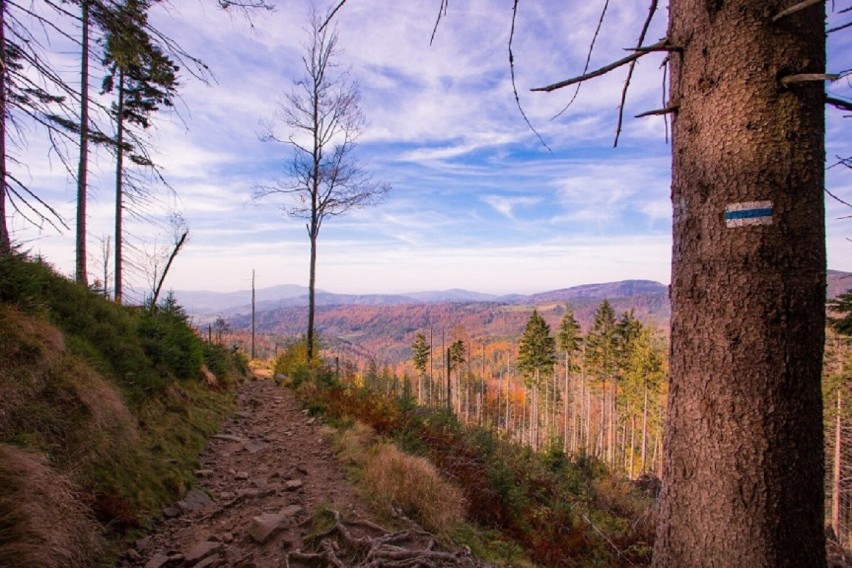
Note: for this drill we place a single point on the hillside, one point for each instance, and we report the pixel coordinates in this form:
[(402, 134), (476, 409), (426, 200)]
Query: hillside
[(386, 332), (383, 327), (103, 410)]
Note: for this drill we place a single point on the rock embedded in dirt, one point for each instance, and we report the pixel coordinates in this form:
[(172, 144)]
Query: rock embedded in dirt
[(195, 501), (228, 438), (201, 551), (265, 525), (157, 561)]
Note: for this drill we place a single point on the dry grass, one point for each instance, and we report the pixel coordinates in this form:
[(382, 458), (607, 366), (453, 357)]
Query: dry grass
[(352, 444), (29, 349), (42, 521), (413, 485)]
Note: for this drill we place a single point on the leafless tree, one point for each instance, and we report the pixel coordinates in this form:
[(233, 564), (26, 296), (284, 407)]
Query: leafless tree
[(323, 120)]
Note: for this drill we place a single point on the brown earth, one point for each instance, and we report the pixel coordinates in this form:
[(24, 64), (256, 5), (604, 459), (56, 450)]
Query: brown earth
[(268, 484)]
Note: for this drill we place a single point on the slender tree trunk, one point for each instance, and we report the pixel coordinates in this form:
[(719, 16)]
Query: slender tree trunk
[(253, 316), (632, 445), (835, 477), (172, 256), (119, 194), (83, 166), (5, 238), (744, 470), (312, 279), (644, 426), (565, 411), (449, 385)]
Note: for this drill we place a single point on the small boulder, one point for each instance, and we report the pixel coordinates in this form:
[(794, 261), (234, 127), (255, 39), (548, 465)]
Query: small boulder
[(201, 551), (195, 501), (264, 526), (157, 561)]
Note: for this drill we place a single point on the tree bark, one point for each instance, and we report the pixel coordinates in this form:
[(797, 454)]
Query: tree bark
[(743, 471), (83, 166)]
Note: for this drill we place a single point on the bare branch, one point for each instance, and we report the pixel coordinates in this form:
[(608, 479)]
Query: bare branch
[(796, 8), (846, 203), (808, 78), (331, 14), (442, 11), (839, 103), (838, 28), (512, 72), (658, 112), (588, 59), (651, 10), (598, 72)]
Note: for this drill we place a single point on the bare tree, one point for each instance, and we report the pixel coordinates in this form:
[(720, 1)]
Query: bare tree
[(324, 120)]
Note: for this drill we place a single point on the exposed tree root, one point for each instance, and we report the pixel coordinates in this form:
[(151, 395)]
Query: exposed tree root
[(339, 546)]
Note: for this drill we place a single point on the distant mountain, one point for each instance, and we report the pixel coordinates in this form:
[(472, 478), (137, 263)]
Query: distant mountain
[(385, 324), (454, 295), (212, 303), (838, 283)]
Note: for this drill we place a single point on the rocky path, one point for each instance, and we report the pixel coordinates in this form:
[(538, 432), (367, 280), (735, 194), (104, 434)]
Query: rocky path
[(263, 481)]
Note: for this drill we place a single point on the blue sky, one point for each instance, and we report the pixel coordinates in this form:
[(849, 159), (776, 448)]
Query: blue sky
[(477, 201)]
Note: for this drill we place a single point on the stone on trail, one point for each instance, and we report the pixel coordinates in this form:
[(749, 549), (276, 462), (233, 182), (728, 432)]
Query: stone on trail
[(157, 561), (201, 551), (228, 437), (264, 526), (293, 484), (195, 501)]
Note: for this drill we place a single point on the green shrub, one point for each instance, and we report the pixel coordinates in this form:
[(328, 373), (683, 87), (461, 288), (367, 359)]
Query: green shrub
[(170, 342)]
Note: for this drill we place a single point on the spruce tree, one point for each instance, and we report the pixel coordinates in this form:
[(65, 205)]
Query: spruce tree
[(144, 78)]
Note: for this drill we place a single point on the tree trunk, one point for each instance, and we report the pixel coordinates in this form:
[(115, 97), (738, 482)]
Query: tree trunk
[(83, 166), (743, 470), (119, 193), (836, 469), (312, 279), (644, 426), (5, 238)]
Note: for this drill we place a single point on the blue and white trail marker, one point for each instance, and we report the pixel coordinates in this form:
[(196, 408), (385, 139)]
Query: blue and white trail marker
[(748, 213)]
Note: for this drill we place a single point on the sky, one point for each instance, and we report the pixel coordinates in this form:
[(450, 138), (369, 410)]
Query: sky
[(477, 201)]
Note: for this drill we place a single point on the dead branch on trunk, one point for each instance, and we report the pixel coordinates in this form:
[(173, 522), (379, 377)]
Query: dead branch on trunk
[(661, 45)]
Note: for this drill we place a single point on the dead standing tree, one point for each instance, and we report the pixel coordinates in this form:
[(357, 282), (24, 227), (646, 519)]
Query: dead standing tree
[(323, 115)]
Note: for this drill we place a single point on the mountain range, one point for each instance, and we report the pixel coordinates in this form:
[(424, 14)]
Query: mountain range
[(206, 304), (383, 326)]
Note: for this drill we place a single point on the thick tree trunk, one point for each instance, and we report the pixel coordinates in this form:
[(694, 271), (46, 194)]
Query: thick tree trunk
[(83, 165), (743, 473)]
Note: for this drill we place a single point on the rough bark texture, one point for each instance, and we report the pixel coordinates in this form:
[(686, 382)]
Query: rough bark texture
[(743, 478)]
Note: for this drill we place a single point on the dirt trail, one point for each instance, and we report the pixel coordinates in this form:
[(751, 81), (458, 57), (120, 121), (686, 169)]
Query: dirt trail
[(263, 479)]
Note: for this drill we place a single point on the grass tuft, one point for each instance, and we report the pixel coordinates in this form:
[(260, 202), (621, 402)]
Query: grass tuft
[(413, 485)]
